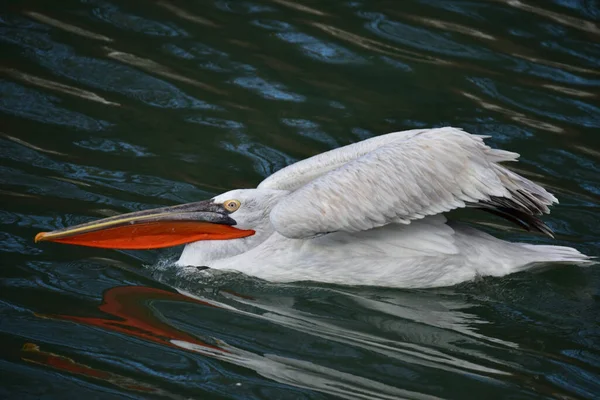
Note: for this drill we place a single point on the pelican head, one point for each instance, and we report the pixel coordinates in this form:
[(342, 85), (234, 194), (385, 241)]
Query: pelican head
[(237, 214)]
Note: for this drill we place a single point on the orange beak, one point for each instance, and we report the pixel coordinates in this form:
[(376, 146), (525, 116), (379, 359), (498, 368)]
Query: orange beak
[(152, 229)]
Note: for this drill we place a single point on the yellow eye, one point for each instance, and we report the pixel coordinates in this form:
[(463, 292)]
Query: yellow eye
[(232, 205)]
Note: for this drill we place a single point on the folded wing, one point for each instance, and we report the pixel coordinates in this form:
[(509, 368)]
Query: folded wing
[(401, 177)]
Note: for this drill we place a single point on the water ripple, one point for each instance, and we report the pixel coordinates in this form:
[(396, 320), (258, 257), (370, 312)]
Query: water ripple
[(210, 59), (272, 25), (126, 181), (421, 39), (590, 52), (106, 75), (541, 104), (57, 87), (31, 104), (67, 27), (110, 13), (320, 50), (311, 130), (268, 90), (181, 13), (266, 159), (113, 146), (242, 7), (563, 19), (552, 72)]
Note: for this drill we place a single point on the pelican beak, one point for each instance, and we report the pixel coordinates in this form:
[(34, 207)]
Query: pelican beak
[(152, 229)]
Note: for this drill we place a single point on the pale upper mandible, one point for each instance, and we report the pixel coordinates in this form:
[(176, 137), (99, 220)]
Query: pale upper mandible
[(396, 178)]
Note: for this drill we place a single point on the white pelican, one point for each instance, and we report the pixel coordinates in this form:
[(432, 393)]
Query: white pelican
[(370, 213)]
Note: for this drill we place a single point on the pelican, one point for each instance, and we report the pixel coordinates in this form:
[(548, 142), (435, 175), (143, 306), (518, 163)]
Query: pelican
[(370, 213)]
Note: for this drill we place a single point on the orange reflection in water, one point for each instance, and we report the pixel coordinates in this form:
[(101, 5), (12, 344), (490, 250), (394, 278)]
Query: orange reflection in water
[(32, 353), (129, 313)]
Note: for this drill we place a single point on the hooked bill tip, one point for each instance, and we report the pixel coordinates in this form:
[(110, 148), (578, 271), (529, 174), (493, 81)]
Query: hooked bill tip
[(40, 237)]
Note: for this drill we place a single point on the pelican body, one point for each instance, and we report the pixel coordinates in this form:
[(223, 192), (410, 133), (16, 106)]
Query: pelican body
[(370, 213)]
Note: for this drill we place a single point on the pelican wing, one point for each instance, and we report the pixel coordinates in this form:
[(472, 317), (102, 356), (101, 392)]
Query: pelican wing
[(400, 177)]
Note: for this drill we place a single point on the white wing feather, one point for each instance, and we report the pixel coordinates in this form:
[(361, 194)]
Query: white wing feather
[(397, 178), (298, 174)]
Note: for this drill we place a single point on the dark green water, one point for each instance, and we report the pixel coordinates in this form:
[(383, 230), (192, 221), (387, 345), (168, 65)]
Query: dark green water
[(109, 107)]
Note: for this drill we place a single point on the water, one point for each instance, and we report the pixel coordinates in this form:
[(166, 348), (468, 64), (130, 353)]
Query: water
[(109, 107)]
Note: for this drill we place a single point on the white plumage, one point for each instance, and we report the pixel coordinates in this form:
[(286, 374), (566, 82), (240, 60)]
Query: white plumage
[(396, 178), (349, 215)]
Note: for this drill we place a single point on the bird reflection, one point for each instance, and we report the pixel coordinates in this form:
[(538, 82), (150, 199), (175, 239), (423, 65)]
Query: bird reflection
[(128, 311)]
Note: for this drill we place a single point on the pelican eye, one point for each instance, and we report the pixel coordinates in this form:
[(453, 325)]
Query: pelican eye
[(232, 205)]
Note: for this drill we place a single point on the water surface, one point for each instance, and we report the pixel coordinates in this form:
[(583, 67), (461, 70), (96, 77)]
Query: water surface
[(109, 107)]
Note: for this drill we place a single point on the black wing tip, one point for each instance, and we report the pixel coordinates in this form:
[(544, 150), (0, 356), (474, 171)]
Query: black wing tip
[(529, 222)]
